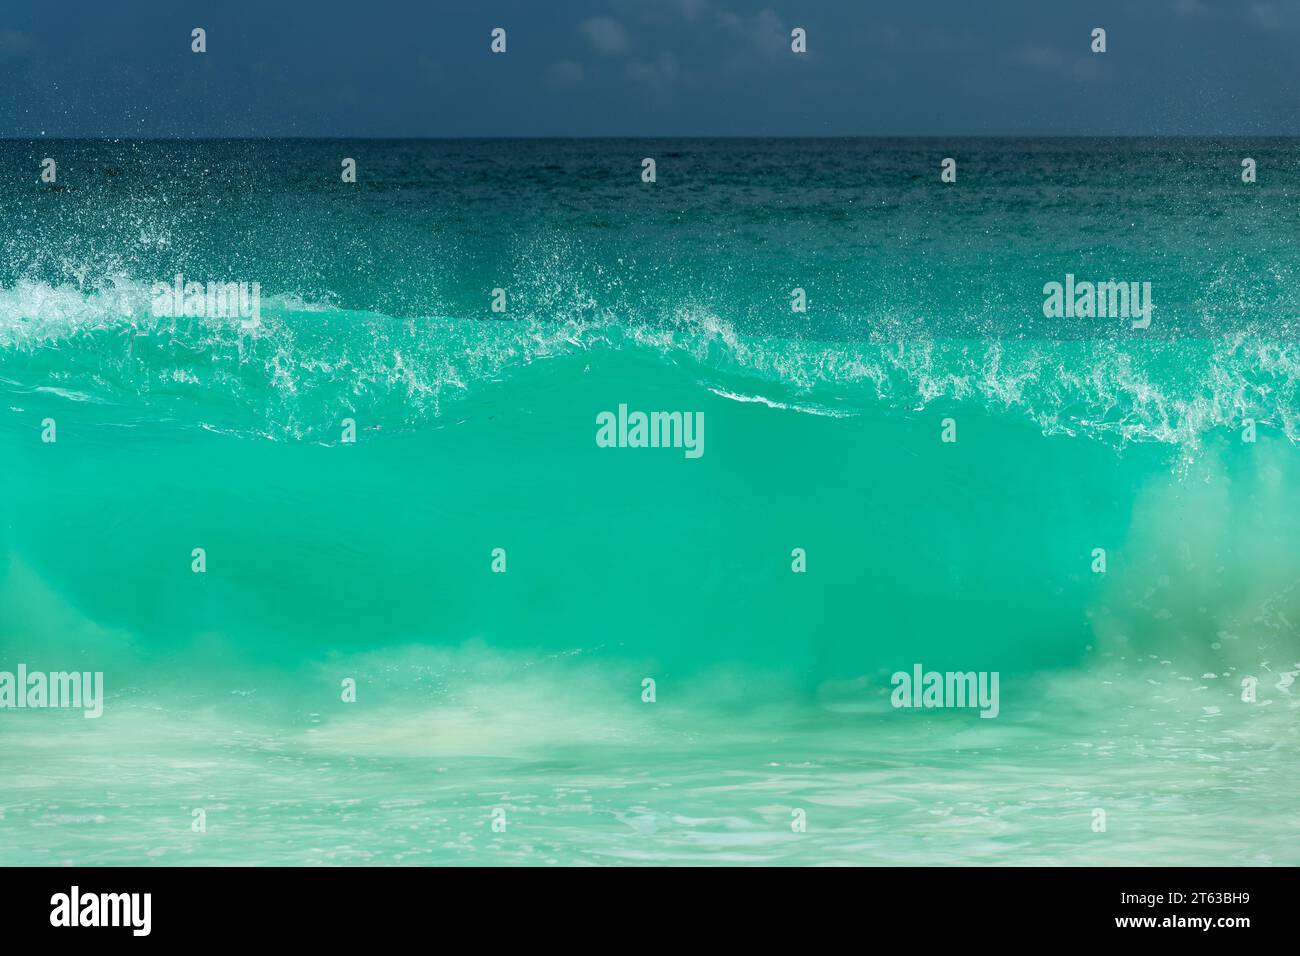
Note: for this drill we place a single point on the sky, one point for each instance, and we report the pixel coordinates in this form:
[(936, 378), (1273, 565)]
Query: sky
[(424, 68)]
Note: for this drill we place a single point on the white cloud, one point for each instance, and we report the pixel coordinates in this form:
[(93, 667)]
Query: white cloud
[(691, 9), (606, 35), (1078, 68), (13, 43), (658, 72), (1266, 15), (564, 74)]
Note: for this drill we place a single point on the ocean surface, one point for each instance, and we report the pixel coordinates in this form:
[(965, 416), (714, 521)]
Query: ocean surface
[(1148, 711)]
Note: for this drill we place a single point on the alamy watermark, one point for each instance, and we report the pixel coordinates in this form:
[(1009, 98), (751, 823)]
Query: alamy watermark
[(1100, 300), (946, 689), (25, 689), (651, 430), (216, 300), (75, 908)]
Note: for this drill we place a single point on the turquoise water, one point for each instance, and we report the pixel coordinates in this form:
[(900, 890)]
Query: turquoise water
[(522, 691)]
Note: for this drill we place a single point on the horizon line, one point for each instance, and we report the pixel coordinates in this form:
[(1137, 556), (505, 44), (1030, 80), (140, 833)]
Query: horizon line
[(664, 136)]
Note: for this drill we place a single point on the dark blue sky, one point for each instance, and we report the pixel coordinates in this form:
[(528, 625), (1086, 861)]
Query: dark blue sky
[(648, 67)]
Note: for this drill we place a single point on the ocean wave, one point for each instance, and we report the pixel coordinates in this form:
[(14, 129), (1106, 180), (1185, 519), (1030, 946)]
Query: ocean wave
[(308, 361)]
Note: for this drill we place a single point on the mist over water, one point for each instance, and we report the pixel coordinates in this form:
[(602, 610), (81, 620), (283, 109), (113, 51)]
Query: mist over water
[(475, 430)]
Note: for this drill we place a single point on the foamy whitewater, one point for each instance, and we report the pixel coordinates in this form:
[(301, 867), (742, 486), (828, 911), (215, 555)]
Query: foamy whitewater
[(923, 471)]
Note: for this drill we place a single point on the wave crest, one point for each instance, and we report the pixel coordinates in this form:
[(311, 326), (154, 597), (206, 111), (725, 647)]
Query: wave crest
[(310, 361)]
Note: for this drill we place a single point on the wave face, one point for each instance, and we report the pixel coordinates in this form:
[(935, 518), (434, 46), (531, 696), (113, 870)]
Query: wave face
[(1171, 448)]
